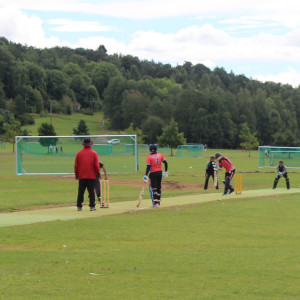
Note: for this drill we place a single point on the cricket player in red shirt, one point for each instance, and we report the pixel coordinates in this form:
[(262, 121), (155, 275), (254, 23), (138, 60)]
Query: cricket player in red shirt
[(154, 161), (230, 170), (86, 170)]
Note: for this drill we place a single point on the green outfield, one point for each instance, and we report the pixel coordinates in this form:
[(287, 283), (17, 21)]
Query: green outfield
[(198, 245)]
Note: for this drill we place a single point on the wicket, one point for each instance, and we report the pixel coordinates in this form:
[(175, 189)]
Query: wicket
[(238, 182), (104, 202)]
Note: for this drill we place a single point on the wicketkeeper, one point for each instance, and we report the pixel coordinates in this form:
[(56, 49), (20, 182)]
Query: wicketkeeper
[(154, 161), (281, 172), (211, 169), (230, 170)]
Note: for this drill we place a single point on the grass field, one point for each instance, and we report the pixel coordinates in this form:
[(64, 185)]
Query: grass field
[(231, 248)]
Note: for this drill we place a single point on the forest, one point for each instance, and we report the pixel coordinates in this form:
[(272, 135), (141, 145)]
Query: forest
[(209, 106)]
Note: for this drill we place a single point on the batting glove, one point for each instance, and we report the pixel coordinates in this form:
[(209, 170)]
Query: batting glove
[(165, 174), (145, 178)]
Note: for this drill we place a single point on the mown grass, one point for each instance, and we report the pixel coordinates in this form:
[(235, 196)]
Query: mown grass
[(18, 192), (223, 250), (229, 249)]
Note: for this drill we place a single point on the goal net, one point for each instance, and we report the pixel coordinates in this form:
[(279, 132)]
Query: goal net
[(43, 155), (269, 156), (190, 151)]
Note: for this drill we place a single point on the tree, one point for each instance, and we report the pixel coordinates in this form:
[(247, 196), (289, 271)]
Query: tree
[(137, 131), (11, 130), (171, 136), (248, 140), (57, 84), (47, 130), (81, 129), (134, 106), (152, 128)]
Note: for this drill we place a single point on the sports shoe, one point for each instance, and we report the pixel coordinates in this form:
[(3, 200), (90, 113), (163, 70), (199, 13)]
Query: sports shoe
[(99, 199), (224, 194), (156, 205), (79, 208), (223, 181), (231, 191), (92, 208)]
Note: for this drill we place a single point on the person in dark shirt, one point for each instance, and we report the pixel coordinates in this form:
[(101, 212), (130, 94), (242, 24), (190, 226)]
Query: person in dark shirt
[(211, 169), (281, 172)]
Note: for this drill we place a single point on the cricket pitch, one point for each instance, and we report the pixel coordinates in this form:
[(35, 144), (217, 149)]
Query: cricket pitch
[(69, 213)]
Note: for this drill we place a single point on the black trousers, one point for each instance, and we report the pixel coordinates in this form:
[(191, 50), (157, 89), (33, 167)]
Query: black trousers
[(155, 183), (207, 179), (88, 184)]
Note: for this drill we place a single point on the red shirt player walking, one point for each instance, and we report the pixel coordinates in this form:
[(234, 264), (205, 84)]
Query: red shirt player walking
[(154, 161), (226, 163)]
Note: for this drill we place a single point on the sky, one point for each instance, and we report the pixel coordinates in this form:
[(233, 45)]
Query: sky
[(258, 39)]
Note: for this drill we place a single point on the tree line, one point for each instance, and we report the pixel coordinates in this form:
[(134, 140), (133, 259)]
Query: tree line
[(209, 106)]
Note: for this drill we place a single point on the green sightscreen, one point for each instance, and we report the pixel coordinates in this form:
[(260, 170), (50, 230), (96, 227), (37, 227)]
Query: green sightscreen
[(42, 155)]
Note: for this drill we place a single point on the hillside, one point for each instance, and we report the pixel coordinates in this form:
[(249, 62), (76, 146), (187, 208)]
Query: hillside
[(209, 106), (64, 124)]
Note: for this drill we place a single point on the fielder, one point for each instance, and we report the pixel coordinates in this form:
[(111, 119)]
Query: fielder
[(230, 170), (154, 161), (281, 172)]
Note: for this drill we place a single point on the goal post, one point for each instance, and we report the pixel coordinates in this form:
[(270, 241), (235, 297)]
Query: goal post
[(269, 156), (46, 155), (195, 150)]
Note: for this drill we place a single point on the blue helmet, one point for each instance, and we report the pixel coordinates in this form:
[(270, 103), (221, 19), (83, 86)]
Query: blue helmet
[(153, 148), (218, 154)]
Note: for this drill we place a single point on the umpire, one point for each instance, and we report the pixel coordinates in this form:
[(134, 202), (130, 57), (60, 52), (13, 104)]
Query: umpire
[(210, 170)]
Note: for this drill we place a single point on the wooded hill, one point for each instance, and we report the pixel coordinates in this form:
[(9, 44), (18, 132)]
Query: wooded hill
[(209, 106)]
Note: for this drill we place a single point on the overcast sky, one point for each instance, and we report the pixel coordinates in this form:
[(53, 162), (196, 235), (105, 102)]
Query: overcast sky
[(259, 39)]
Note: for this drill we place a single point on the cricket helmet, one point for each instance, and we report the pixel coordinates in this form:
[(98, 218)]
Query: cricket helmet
[(218, 154), (153, 148)]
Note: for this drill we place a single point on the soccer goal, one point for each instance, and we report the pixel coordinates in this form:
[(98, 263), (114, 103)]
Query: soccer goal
[(269, 156), (45, 155), (190, 150)]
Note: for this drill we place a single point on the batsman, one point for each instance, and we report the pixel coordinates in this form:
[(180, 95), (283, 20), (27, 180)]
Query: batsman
[(230, 170), (154, 161)]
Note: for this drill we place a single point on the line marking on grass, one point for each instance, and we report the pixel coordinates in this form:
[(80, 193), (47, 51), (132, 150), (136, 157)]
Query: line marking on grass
[(70, 212)]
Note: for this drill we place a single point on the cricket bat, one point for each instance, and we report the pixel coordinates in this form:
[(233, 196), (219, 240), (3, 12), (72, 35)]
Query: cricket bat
[(215, 178), (141, 196)]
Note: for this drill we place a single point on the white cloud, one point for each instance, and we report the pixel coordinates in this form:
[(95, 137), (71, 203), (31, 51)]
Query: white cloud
[(22, 28), (67, 25), (291, 77)]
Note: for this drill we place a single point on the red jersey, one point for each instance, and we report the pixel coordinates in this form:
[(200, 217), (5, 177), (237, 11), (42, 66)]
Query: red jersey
[(154, 160), (87, 164), (227, 164)]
